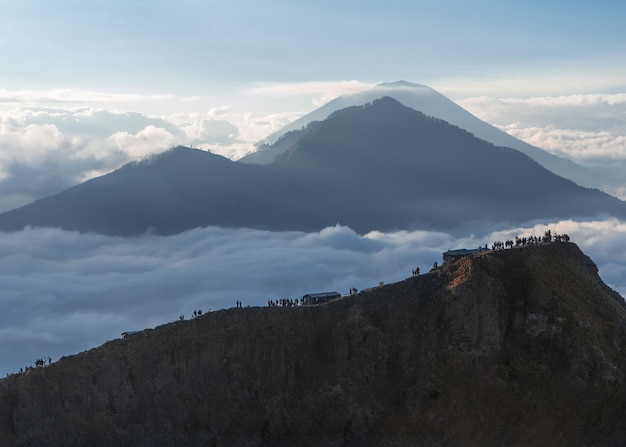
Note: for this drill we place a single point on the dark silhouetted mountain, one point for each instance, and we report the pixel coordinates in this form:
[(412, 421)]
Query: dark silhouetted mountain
[(382, 166), (518, 347), (168, 193), (431, 103)]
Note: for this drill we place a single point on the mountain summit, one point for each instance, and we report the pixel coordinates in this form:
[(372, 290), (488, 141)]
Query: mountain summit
[(432, 103), (381, 166), (514, 347)]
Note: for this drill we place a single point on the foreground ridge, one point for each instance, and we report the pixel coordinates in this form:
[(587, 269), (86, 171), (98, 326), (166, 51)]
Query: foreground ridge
[(505, 347)]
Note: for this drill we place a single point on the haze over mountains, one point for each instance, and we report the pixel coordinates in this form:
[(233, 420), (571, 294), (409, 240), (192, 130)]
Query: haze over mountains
[(432, 103), (381, 166)]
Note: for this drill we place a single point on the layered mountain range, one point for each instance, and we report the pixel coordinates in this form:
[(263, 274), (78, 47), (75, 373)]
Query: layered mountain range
[(432, 103), (380, 166), (514, 347)]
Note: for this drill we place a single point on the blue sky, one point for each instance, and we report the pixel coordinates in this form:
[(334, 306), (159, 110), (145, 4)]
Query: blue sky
[(193, 47)]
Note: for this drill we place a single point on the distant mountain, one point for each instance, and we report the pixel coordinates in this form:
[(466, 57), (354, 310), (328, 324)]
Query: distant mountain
[(168, 193), (382, 166), (518, 347), (430, 102)]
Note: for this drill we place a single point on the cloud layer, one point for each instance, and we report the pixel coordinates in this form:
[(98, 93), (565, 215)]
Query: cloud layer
[(45, 149), (63, 292)]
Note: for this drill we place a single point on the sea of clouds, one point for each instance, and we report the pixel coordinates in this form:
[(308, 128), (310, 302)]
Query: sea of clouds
[(64, 292)]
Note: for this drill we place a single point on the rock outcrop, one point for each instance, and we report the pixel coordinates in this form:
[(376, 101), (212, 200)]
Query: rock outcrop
[(515, 347)]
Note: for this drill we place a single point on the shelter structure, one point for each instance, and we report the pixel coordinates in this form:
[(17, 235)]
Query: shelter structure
[(453, 255), (127, 333), (319, 298)]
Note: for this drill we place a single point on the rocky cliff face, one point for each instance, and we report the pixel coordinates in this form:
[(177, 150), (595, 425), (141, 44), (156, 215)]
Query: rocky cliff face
[(516, 347)]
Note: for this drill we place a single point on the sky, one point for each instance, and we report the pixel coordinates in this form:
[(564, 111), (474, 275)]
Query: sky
[(89, 85)]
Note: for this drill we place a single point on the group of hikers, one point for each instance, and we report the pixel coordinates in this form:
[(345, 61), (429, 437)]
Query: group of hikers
[(38, 363), (530, 240), (196, 313), (291, 302), (548, 237), (283, 302)]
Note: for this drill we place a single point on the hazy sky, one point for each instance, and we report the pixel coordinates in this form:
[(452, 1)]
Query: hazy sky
[(88, 85), (198, 47)]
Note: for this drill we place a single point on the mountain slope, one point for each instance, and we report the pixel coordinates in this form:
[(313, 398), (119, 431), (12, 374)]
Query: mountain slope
[(167, 194), (516, 347), (430, 102), (382, 166), (387, 157)]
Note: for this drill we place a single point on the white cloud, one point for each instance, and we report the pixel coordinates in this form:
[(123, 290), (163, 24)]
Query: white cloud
[(44, 150), (227, 132), (589, 129), (578, 145), (583, 111), (71, 97), (63, 292), (30, 142), (322, 92), (148, 141), (307, 88)]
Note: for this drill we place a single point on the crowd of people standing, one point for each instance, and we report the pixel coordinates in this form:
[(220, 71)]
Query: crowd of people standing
[(283, 302), (530, 240)]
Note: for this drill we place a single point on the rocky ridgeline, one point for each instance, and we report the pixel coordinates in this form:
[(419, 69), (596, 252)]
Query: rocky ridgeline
[(512, 347)]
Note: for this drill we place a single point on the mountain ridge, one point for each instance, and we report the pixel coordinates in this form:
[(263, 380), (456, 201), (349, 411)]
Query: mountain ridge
[(432, 103), (509, 347), (382, 166)]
